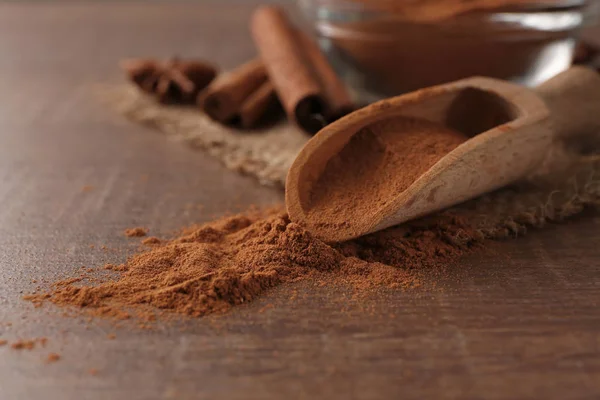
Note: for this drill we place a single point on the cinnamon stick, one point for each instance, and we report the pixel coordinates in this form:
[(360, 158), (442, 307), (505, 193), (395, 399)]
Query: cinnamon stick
[(585, 53), (289, 68), (223, 99), (257, 105), (339, 102)]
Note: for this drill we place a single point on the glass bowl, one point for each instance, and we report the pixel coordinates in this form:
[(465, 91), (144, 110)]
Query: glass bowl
[(383, 52)]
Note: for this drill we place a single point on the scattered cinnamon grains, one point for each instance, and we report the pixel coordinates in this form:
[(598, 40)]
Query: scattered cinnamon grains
[(235, 259), (23, 345), (136, 232), (152, 240), (52, 358), (3, 342), (28, 344), (113, 267)]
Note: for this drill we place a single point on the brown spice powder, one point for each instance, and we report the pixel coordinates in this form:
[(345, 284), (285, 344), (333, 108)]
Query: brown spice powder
[(152, 240), (23, 345), (233, 260), (28, 344), (375, 166), (436, 10), (136, 232), (52, 358)]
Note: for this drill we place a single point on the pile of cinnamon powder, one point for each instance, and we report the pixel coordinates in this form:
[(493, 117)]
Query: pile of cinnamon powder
[(233, 260)]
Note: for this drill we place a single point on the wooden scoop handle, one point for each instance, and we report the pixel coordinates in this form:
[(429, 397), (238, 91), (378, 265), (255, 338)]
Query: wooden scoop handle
[(573, 98)]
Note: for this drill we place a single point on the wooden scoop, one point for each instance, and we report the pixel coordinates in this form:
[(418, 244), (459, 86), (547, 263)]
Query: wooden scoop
[(511, 129)]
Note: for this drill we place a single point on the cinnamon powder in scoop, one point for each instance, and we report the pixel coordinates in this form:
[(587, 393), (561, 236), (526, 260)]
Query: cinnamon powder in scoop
[(375, 166)]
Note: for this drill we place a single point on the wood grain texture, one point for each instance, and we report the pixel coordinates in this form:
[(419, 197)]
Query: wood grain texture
[(519, 322)]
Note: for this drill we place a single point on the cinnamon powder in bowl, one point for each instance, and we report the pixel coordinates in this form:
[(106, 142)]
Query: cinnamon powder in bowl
[(385, 48)]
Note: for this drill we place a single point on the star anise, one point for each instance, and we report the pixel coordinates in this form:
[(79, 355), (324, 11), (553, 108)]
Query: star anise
[(173, 81)]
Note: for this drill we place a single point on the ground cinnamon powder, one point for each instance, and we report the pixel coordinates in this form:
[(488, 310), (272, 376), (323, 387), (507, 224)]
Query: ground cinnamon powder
[(212, 267), (152, 240), (375, 166), (436, 10), (406, 45), (136, 232), (52, 358), (28, 344)]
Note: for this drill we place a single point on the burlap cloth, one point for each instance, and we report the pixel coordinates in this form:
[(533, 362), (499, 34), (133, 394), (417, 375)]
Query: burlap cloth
[(265, 154), (565, 185)]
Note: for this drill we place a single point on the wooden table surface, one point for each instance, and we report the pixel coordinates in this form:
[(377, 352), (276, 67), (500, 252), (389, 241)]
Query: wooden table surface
[(523, 322)]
